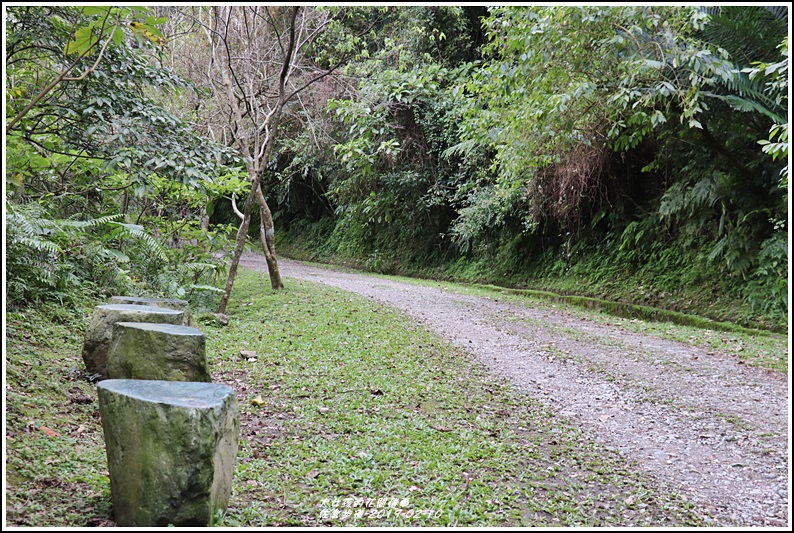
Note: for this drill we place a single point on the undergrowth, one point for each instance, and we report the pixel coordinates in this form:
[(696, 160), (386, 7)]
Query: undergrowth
[(677, 278)]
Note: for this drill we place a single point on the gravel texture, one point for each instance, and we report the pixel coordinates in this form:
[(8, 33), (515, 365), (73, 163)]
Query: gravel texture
[(696, 421)]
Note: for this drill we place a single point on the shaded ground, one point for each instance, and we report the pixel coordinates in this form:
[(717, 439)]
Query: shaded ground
[(697, 421)]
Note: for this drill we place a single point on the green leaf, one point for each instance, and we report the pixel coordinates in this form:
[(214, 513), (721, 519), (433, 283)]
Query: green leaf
[(150, 21), (95, 10), (83, 40), (16, 179), (118, 36), (119, 256)]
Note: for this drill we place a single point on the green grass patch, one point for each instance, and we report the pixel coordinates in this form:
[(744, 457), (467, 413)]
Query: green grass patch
[(350, 415), (627, 310), (56, 468)]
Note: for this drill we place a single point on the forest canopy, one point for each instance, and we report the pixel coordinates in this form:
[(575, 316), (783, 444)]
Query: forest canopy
[(576, 148)]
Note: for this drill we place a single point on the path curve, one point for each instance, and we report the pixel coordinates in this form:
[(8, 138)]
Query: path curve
[(696, 421)]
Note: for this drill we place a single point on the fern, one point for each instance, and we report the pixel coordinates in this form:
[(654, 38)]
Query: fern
[(51, 258), (208, 288), (674, 200), (194, 267), (36, 243), (137, 232), (749, 35), (93, 223), (461, 149)]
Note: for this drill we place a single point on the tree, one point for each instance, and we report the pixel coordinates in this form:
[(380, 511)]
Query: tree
[(85, 141), (381, 168), (261, 60)]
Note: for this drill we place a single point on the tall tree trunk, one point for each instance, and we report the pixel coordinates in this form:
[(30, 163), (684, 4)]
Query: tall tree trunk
[(267, 235)]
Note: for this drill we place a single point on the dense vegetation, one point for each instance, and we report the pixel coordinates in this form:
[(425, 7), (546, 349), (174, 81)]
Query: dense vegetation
[(633, 153)]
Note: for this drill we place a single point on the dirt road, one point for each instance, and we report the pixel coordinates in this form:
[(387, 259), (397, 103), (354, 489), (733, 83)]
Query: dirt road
[(696, 421)]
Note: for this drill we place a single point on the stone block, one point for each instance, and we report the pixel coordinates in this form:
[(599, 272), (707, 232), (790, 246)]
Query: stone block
[(168, 303), (171, 448), (100, 330), (157, 352)]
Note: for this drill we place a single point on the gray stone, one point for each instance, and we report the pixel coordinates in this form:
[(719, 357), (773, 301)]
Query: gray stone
[(221, 318), (171, 448), (168, 303), (100, 330), (158, 352)]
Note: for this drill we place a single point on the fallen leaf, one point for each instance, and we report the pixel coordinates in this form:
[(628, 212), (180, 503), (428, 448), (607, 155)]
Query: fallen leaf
[(258, 401), (442, 428), (631, 500), (313, 474), (49, 432)]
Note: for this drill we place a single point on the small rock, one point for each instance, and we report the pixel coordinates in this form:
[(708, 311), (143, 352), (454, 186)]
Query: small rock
[(221, 318)]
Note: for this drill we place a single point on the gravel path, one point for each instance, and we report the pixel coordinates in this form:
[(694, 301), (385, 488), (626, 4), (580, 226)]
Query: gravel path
[(697, 422)]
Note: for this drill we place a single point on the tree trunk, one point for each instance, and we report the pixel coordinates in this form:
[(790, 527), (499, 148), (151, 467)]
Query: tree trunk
[(267, 235), (205, 219), (242, 234)]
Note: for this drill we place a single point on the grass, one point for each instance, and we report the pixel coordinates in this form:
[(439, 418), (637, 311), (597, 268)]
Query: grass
[(354, 403), (350, 415), (56, 469)]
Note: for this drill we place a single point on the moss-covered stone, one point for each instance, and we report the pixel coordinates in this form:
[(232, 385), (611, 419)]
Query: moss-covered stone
[(157, 352), (171, 449), (100, 330), (168, 303)]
